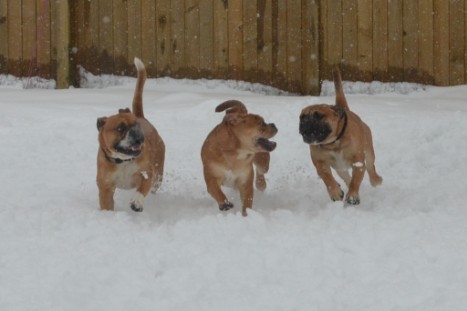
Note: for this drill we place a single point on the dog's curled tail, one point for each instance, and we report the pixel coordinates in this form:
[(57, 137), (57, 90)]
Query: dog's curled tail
[(138, 97), (233, 106), (341, 101)]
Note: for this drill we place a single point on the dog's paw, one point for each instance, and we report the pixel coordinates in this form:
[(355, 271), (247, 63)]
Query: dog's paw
[(137, 202), (337, 195), (260, 183), (352, 200), (226, 206)]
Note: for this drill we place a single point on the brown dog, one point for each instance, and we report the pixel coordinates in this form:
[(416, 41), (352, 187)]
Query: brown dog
[(231, 149), (131, 152), (338, 138)]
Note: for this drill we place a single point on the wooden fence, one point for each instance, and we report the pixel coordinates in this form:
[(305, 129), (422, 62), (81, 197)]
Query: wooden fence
[(289, 44)]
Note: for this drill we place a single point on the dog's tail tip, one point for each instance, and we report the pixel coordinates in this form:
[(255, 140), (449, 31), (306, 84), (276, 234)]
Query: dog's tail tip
[(139, 64)]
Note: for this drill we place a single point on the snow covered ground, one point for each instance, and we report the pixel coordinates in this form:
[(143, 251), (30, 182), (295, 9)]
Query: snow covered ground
[(403, 248)]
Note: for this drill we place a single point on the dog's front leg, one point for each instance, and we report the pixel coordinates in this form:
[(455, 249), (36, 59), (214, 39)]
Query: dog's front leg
[(261, 161), (106, 197), (246, 192), (324, 172), (145, 182), (358, 172)]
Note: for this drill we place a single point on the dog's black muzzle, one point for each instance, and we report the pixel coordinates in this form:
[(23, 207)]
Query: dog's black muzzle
[(314, 132)]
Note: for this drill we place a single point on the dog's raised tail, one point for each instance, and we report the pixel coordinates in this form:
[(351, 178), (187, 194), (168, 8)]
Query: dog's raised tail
[(138, 97), (341, 101)]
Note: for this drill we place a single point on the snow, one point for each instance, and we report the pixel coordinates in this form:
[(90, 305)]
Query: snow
[(403, 248)]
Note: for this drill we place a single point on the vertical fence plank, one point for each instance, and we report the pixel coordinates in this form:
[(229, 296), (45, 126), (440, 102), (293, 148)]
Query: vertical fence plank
[(441, 42), (206, 40), (365, 39), (425, 30), (120, 40), (192, 48), (410, 22), (334, 40), (221, 39), (43, 38), (106, 35), (77, 43), (294, 45), (395, 41), (349, 38), (456, 42), (29, 62), (250, 44), (15, 38), (149, 36), (323, 39), (163, 48), (92, 33), (60, 12), (380, 40), (235, 39), (310, 47), (264, 41), (177, 34), (134, 32), (279, 44), (4, 37)]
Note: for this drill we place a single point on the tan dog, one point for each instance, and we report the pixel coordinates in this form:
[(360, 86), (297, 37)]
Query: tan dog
[(338, 138), (131, 152), (231, 149)]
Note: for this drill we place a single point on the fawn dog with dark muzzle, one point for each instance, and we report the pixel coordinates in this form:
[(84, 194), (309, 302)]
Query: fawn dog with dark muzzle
[(339, 139), (229, 152), (131, 152)]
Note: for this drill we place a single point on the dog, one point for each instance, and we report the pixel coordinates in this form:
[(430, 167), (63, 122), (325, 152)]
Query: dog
[(338, 138), (131, 153), (231, 149)]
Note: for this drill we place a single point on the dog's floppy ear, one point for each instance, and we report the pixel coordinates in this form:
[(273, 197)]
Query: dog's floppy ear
[(233, 106), (339, 111), (124, 110), (101, 122)]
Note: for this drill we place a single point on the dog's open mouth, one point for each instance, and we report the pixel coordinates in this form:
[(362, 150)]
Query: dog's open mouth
[(266, 144), (132, 150)]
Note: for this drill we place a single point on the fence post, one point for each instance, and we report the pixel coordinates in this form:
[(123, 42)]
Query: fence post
[(62, 24)]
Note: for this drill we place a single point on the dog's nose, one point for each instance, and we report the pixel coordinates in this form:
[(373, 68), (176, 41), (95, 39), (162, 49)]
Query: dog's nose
[(273, 126), (136, 134)]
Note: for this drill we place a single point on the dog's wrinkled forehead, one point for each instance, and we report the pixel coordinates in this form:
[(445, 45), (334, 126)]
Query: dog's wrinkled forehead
[(254, 119), (123, 119), (321, 108)]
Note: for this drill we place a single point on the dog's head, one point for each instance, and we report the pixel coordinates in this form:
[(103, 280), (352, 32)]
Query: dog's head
[(319, 124), (250, 129), (120, 135)]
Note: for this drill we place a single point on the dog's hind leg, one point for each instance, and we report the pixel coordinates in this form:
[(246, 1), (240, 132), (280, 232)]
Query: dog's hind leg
[(375, 179), (214, 189), (261, 161)]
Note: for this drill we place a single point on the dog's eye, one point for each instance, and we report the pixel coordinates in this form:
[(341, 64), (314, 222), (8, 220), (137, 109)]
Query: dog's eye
[(121, 128), (318, 116)]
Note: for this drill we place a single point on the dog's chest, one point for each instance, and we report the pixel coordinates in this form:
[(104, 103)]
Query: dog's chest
[(340, 163), (124, 175)]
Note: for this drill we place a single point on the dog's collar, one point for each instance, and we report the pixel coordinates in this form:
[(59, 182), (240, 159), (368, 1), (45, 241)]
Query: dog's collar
[(341, 132), (115, 160)]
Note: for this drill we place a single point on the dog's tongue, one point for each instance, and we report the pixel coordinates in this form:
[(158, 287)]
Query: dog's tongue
[(267, 144)]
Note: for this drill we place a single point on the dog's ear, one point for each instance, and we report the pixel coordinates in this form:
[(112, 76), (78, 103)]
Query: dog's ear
[(232, 106), (234, 118), (101, 122), (124, 110), (339, 111)]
